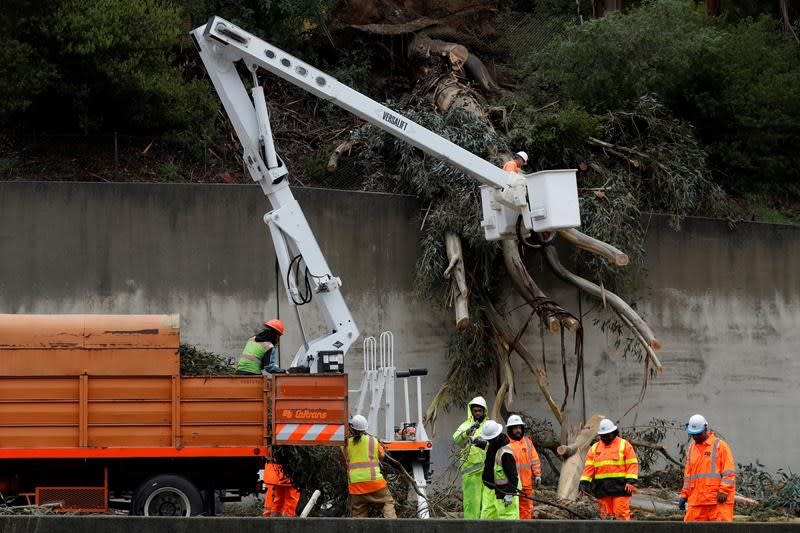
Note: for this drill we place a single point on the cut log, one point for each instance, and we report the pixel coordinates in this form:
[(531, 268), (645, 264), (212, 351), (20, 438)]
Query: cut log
[(333, 161), (478, 71), (450, 92), (423, 47), (458, 281), (573, 454), (595, 290), (590, 244)]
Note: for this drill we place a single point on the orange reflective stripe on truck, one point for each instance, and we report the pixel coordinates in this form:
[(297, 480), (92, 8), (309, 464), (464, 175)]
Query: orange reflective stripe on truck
[(309, 432)]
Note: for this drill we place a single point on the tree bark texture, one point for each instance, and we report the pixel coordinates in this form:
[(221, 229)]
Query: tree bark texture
[(455, 273), (574, 456)]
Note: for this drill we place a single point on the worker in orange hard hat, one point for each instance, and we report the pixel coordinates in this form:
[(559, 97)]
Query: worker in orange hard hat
[(280, 498), (709, 477), (520, 160), (261, 352), (611, 472)]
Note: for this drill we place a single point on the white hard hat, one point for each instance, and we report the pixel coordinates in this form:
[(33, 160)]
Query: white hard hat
[(359, 423), (697, 424), (491, 429), (523, 156), (478, 400), (606, 427), (514, 420)]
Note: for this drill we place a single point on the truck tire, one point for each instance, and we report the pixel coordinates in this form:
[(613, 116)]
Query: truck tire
[(167, 495)]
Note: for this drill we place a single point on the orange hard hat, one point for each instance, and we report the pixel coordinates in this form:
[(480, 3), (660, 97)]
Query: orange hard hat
[(275, 324)]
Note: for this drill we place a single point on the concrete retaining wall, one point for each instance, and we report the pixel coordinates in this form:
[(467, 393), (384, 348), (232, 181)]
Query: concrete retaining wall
[(725, 303), (49, 524)]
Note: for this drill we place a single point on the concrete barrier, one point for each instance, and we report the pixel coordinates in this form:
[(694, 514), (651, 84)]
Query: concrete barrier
[(123, 524)]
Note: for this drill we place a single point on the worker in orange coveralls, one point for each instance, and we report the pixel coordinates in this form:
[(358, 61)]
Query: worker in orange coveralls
[(709, 478), (281, 498), (528, 466), (611, 472), (520, 160)]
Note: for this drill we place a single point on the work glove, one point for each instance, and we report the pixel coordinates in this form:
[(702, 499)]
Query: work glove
[(722, 497), (630, 488), (538, 480), (479, 442), (508, 499), (473, 427), (682, 504)]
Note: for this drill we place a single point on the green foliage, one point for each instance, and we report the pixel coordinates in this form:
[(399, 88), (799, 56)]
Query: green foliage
[(101, 65), (454, 197), (287, 23), (197, 362), (6, 165), (170, 171), (735, 82), (25, 74), (316, 468), (556, 136)]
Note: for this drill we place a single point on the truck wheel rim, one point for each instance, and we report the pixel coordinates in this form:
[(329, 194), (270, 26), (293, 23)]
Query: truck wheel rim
[(167, 501)]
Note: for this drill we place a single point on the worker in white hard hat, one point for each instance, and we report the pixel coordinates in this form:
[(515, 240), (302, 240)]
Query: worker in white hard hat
[(519, 160), (528, 466), (468, 438), (367, 486), (709, 477), (499, 475), (611, 472)]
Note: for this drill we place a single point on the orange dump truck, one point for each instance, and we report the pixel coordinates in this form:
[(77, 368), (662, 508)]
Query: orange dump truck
[(93, 408)]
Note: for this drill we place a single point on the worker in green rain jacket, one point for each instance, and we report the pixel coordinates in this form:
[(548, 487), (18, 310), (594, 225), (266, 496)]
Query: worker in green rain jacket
[(468, 438)]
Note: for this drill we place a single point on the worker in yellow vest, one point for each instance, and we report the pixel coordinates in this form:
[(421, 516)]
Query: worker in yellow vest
[(368, 488), (472, 456), (500, 475), (261, 351)]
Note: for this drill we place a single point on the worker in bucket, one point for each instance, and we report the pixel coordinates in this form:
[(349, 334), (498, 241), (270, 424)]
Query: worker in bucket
[(709, 477), (519, 160), (499, 475), (261, 351), (528, 466), (611, 472), (468, 438), (280, 498), (367, 486)]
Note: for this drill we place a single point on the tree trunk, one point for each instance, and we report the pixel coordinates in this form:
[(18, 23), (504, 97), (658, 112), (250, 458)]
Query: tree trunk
[(459, 293), (590, 244), (422, 47), (574, 456)]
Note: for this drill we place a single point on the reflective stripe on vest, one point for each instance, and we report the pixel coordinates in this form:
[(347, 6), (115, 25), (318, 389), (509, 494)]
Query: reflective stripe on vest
[(713, 472), (620, 462), (528, 453), (252, 358), (363, 460), (500, 478)]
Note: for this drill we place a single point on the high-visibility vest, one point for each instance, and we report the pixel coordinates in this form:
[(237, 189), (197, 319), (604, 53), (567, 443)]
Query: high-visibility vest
[(500, 478), (471, 456), (363, 459), (252, 358), (709, 469), (610, 467), (511, 166), (528, 464)]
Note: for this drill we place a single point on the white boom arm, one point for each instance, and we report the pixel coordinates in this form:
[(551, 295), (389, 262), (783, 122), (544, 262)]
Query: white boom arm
[(505, 196)]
